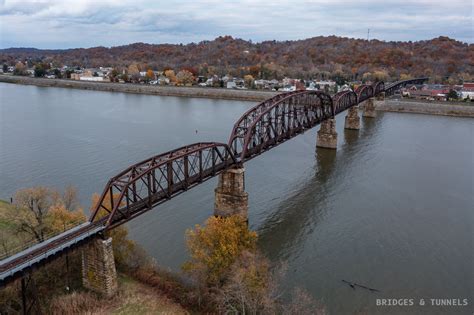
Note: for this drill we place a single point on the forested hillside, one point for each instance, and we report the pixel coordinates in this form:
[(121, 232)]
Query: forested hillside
[(442, 58)]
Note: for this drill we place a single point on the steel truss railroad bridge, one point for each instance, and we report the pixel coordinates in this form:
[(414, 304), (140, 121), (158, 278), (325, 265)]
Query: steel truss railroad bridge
[(144, 185)]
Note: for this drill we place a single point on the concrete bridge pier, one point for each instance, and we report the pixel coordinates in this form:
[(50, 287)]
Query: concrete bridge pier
[(327, 135), (230, 195), (352, 119), (369, 108), (98, 267)]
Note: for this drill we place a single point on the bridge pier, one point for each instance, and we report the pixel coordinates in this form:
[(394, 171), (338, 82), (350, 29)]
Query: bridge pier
[(230, 196), (352, 119), (369, 108), (380, 99), (98, 267), (327, 135)]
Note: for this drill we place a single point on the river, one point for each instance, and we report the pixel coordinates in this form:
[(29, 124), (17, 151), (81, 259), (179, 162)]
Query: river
[(391, 209)]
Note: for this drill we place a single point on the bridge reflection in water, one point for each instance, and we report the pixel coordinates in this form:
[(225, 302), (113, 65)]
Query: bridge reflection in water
[(149, 183)]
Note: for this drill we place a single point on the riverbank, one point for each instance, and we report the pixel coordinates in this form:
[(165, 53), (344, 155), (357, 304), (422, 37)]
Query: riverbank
[(133, 297), (431, 108), (201, 92)]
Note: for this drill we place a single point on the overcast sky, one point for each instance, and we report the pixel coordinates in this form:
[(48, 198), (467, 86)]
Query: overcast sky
[(88, 23)]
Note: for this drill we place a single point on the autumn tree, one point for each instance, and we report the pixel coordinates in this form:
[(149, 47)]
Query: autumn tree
[(405, 76), (185, 77), (20, 68), (150, 75), (215, 247), (133, 72), (171, 76), (42, 211), (249, 80), (380, 75)]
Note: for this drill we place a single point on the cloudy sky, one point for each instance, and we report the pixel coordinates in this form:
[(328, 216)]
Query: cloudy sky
[(88, 23)]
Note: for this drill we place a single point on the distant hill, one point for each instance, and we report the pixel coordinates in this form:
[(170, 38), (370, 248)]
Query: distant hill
[(317, 57)]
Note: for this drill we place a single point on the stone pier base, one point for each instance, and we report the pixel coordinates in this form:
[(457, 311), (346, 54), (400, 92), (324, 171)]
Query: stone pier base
[(369, 108), (352, 119), (327, 135), (98, 267), (380, 99), (230, 195)]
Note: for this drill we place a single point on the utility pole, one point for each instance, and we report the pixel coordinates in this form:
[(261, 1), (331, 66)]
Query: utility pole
[(368, 33)]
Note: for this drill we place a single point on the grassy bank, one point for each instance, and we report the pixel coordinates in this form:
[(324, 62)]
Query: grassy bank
[(200, 92), (133, 297)]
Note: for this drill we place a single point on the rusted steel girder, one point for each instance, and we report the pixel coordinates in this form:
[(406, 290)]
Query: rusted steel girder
[(144, 185), (378, 87), (364, 92), (344, 100), (282, 121), (240, 128), (390, 89)]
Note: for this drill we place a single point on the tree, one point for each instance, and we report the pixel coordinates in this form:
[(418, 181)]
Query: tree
[(150, 75), (133, 72), (5, 68), (20, 69), (215, 247), (39, 71), (41, 211), (249, 80), (380, 75), (185, 77), (452, 95), (114, 74), (171, 76), (405, 76), (57, 73)]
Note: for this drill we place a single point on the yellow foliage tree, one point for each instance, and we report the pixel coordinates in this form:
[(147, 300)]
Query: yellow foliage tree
[(380, 75), (185, 77), (42, 212), (248, 79), (171, 76), (216, 246), (61, 219)]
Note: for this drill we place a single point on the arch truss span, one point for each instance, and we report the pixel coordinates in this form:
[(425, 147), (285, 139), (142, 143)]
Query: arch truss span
[(364, 92), (392, 88), (240, 128), (378, 87), (344, 100), (283, 120), (144, 185)]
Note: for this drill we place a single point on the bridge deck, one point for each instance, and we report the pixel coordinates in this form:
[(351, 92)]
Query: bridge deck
[(27, 258)]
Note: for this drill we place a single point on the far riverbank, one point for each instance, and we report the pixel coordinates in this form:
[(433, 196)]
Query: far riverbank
[(201, 92), (429, 108), (390, 105)]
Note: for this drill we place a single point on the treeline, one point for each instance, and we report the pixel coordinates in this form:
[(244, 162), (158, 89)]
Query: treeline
[(441, 58)]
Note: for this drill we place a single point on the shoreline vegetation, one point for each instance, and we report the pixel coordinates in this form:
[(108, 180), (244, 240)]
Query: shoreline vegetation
[(199, 92), (391, 105), (225, 272)]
